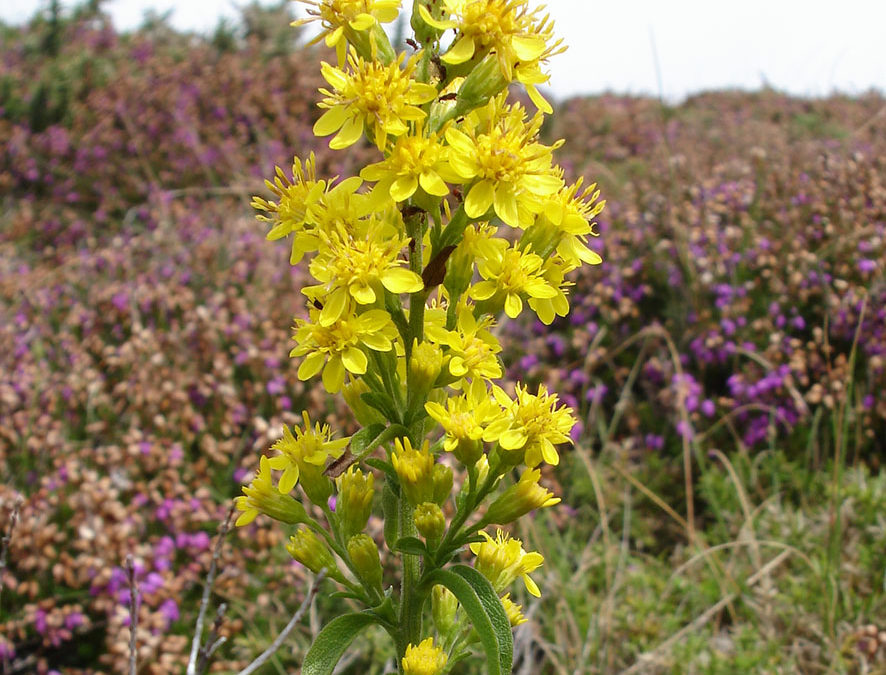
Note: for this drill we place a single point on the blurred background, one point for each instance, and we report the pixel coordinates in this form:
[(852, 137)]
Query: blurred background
[(723, 502)]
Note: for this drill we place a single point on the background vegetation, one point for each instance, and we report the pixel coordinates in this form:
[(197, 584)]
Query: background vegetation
[(724, 506)]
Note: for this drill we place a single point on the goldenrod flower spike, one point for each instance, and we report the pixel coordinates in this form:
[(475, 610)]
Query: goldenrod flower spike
[(424, 659), (340, 17), (337, 348), (260, 496), (530, 426), (502, 560), (415, 469), (306, 451), (373, 97), (524, 496), (512, 172)]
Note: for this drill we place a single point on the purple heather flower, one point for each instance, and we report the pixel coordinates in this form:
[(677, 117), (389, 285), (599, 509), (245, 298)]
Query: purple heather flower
[(866, 265), (654, 442), (708, 408)]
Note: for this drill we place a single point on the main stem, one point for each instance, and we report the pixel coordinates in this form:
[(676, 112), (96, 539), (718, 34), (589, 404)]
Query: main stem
[(411, 600)]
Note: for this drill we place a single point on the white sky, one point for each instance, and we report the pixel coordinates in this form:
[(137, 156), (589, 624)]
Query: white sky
[(806, 47)]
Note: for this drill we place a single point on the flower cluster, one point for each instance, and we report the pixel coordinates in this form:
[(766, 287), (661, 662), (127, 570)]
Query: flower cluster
[(463, 217)]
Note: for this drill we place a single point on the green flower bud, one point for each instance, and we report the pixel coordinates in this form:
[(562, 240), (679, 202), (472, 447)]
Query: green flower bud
[(430, 522), (442, 476), (366, 415), (425, 365), (316, 485), (524, 496), (467, 450), (415, 469), (364, 556), (444, 606), (305, 547), (483, 83), (354, 504), (261, 496)]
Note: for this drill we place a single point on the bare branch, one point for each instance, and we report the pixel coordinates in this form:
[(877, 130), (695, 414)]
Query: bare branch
[(213, 641), (133, 614), (277, 643), (207, 591)]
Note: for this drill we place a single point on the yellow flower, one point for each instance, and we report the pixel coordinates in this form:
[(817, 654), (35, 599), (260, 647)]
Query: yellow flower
[(357, 267), (305, 452), (340, 18), (502, 560), (424, 659), (519, 38), (415, 469), (554, 273), (530, 426), (260, 496), (507, 278), (463, 419), (354, 505), (380, 99), (336, 348), (295, 197), (472, 348), (564, 223), (524, 496), (512, 171), (414, 161)]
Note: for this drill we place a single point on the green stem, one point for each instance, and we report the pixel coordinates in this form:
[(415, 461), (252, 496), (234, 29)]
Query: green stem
[(411, 598)]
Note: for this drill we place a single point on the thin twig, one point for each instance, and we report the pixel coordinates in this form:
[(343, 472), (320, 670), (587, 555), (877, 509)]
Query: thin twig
[(287, 629), (207, 591), (4, 543), (213, 641), (133, 614)]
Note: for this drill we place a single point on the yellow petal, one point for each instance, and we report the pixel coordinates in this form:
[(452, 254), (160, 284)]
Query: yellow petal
[(542, 184), (540, 101), (335, 76), (506, 205), (355, 361), (528, 47), (420, 93), (288, 479), (482, 290), (330, 121), (513, 305), (432, 184), (479, 199), (362, 22), (531, 586), (333, 375), (311, 365), (400, 280), (434, 23), (403, 188), (460, 52), (362, 293), (335, 306), (512, 439), (350, 133)]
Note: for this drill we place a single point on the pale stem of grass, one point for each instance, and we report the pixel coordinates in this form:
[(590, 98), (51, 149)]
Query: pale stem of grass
[(207, 592), (263, 658), (133, 614), (7, 538)]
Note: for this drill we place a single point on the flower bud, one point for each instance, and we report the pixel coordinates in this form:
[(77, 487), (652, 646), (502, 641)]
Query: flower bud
[(442, 477), (444, 606), (425, 365), (305, 547), (483, 83), (415, 469), (524, 496), (430, 522), (316, 485), (364, 556), (468, 450), (260, 496), (424, 659), (354, 505), (366, 415), (424, 32), (513, 611)]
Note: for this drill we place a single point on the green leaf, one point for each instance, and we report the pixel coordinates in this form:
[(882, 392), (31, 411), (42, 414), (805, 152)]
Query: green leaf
[(412, 545), (332, 642), (484, 609), (381, 402), (390, 505), (364, 439)]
